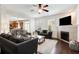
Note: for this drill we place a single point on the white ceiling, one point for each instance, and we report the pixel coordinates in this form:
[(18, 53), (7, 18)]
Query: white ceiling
[(28, 10)]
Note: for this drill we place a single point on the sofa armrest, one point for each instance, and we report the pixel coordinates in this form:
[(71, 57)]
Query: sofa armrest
[(28, 46), (8, 44)]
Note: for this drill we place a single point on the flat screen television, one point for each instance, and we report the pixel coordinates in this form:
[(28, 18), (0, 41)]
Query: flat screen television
[(65, 21)]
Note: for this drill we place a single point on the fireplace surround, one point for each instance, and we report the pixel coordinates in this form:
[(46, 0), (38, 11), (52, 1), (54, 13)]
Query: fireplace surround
[(65, 35)]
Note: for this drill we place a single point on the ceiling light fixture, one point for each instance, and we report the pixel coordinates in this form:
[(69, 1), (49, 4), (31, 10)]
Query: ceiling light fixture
[(42, 7), (39, 11)]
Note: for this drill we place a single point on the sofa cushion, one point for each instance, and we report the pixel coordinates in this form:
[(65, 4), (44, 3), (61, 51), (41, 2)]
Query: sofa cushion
[(11, 38), (5, 35), (14, 39), (21, 32)]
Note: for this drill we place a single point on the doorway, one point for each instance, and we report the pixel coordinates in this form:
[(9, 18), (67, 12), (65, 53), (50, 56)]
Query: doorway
[(20, 24)]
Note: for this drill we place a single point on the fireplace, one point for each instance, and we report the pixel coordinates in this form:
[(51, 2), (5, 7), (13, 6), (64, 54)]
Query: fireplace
[(65, 35)]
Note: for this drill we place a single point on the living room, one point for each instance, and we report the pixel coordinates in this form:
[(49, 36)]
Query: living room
[(46, 23)]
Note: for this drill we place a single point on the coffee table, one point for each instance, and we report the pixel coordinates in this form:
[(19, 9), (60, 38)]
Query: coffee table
[(41, 38)]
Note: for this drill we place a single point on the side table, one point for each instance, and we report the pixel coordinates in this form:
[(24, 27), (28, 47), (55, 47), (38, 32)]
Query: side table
[(74, 45)]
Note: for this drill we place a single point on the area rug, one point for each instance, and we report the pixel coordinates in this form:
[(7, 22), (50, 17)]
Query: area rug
[(48, 47)]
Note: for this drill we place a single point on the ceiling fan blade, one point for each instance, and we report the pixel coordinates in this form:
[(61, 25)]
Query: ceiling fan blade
[(40, 5), (34, 5), (45, 6), (45, 10)]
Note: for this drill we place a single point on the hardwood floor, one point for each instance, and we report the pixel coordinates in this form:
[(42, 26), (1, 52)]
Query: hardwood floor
[(63, 48)]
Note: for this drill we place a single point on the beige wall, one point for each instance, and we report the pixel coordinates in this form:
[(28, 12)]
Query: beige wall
[(4, 23), (70, 28), (43, 23), (77, 15), (6, 17)]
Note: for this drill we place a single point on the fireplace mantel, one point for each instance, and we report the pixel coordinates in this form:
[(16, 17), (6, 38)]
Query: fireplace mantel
[(72, 32)]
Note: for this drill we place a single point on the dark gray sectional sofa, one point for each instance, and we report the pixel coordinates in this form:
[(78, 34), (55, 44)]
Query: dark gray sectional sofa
[(11, 45)]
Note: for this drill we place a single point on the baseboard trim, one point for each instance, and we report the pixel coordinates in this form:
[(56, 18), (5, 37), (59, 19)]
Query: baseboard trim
[(64, 41)]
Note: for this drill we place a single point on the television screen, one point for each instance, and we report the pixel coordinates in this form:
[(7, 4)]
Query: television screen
[(65, 21)]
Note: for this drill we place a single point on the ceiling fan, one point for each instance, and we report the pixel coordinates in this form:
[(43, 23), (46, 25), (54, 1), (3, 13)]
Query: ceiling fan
[(42, 7)]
